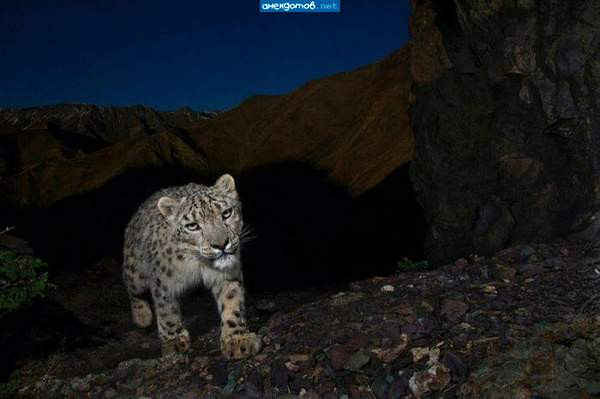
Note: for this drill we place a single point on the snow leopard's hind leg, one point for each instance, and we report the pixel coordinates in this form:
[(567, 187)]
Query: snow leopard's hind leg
[(141, 310)]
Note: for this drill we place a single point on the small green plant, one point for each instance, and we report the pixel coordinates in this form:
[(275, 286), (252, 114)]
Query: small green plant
[(22, 279), (406, 265), (9, 388)]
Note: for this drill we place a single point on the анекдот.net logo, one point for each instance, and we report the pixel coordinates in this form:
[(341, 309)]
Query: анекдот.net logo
[(300, 6)]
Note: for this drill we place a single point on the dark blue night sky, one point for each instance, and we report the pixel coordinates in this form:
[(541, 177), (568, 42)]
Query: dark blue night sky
[(168, 54)]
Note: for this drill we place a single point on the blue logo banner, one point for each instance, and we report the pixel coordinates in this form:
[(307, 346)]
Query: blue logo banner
[(300, 6)]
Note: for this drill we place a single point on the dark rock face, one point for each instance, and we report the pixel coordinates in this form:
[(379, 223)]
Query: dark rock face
[(506, 120)]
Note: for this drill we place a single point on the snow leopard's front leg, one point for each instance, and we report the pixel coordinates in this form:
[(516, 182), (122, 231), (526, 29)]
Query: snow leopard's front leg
[(174, 337), (237, 342)]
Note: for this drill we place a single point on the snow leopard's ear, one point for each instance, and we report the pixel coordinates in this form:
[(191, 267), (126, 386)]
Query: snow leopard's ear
[(226, 185), (168, 207)]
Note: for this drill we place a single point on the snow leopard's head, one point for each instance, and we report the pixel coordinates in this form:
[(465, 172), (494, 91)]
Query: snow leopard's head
[(209, 222)]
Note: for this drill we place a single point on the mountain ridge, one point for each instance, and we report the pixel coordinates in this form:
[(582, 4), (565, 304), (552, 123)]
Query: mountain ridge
[(107, 122), (353, 125)]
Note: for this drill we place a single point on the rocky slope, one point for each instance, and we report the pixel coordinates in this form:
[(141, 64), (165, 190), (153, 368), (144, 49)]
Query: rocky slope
[(520, 324), (507, 121)]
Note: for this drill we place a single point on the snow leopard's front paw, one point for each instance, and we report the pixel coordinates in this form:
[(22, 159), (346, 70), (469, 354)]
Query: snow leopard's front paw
[(240, 346), (182, 343)]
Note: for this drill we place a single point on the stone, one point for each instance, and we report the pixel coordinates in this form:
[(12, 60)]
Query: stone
[(304, 394), (339, 357), (292, 367), (435, 378), (260, 357), (357, 342), (419, 353), (453, 310), (80, 384), (299, 358), (507, 273), (388, 355), (380, 386), (490, 289), (525, 252), (532, 269), (202, 361), (358, 360), (387, 288)]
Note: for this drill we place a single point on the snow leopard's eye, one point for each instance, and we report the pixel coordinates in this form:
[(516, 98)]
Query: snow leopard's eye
[(227, 213), (192, 226)]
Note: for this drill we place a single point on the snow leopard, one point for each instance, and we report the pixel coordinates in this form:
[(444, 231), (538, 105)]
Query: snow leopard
[(180, 238)]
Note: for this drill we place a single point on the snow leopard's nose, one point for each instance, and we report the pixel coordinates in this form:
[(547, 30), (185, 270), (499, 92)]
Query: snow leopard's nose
[(221, 247)]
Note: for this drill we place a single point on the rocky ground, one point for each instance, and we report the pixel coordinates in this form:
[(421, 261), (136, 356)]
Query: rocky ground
[(524, 323)]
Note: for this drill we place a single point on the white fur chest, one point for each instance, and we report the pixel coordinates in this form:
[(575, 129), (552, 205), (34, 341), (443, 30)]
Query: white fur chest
[(191, 272)]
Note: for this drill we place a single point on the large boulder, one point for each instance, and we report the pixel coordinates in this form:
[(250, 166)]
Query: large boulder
[(506, 120)]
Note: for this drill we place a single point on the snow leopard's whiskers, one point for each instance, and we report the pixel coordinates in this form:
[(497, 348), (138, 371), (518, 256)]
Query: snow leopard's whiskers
[(247, 234)]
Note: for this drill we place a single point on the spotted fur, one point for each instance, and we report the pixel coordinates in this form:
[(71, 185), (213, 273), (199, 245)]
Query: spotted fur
[(179, 238)]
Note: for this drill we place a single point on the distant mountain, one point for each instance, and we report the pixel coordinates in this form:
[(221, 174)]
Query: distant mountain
[(353, 125), (108, 124), (29, 136)]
